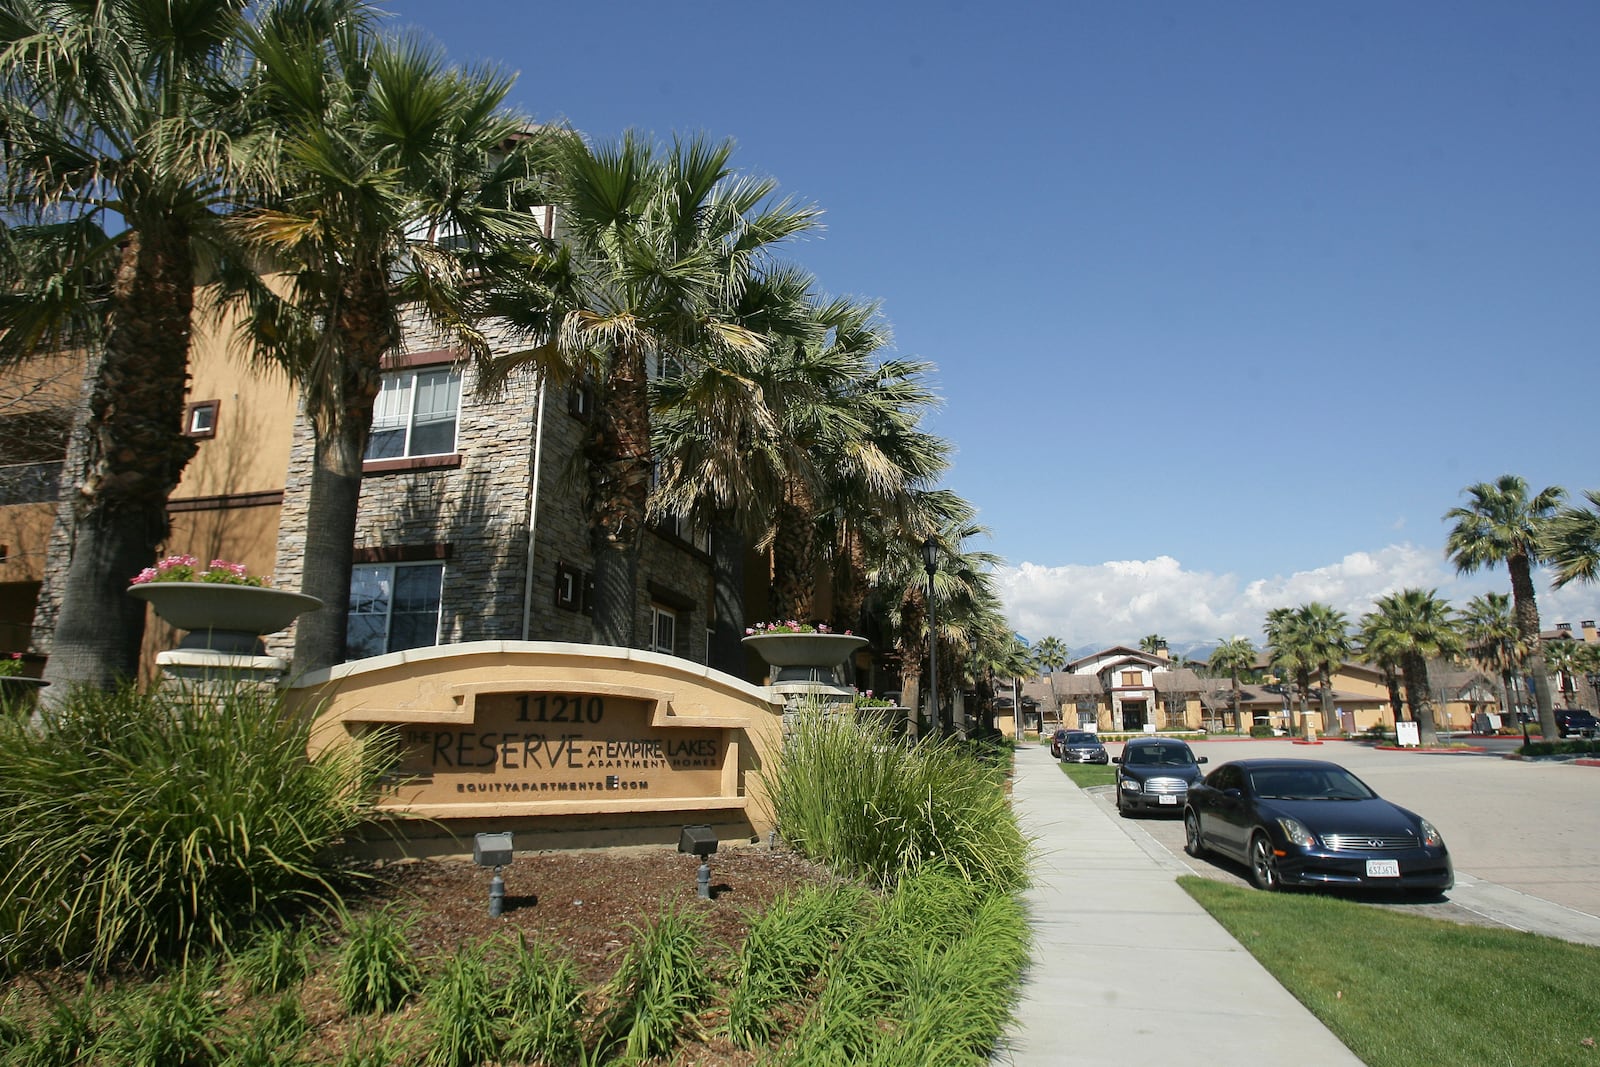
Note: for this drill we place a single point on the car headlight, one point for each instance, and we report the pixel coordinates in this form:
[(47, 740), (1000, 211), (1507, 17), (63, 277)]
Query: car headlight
[(1430, 834), (1130, 786), (1296, 831)]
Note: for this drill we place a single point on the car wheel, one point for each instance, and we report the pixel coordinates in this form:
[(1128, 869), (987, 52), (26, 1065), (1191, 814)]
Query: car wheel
[(1122, 809), (1191, 834), (1263, 864)]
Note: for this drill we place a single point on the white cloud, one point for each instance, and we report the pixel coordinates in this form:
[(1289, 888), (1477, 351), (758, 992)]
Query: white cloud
[(1119, 601)]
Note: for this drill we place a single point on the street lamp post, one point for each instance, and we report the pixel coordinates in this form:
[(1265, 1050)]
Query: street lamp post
[(930, 563), (1594, 683)]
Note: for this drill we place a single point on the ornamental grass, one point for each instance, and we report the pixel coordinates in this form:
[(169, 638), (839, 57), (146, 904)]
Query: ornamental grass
[(143, 827)]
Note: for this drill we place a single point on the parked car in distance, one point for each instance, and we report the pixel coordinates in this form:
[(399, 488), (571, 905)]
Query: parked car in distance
[(1078, 746), (1155, 773), (1571, 721), (1311, 822)]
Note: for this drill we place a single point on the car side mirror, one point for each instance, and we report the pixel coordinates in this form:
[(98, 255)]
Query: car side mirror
[(1201, 759), (1116, 759), (1233, 794)]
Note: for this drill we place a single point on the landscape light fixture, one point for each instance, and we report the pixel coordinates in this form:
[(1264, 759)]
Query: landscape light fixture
[(493, 850), (930, 563), (700, 841)]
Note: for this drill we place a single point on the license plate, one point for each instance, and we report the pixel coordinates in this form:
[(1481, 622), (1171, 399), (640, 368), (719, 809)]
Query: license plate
[(1383, 868), (1171, 800)]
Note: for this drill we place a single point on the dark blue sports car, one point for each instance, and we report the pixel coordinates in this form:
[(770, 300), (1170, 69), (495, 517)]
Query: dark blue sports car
[(1310, 822)]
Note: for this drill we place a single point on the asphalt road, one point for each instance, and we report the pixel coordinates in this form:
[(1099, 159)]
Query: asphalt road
[(1524, 835)]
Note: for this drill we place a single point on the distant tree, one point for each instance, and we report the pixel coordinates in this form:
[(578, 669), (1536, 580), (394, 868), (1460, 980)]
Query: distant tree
[(1234, 656), (1502, 523), (1564, 658), (1414, 626), (1291, 656), (1152, 643), (1049, 656), (1325, 639), (1493, 642)]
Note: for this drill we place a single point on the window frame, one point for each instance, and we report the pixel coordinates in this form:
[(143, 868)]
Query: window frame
[(660, 613), (414, 367), (201, 411), (394, 567)]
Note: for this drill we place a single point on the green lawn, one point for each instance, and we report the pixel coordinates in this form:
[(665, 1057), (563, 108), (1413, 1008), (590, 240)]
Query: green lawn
[(1400, 990), (1087, 774)]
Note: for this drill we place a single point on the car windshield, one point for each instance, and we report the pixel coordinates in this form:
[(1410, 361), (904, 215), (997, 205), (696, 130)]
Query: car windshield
[(1168, 755), (1081, 739), (1308, 783)]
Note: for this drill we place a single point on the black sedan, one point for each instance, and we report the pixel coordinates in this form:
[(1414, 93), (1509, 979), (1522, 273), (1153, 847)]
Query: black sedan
[(1077, 746), (1310, 822), (1154, 774)]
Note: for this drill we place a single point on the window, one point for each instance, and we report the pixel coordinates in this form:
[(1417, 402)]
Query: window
[(580, 399), (1132, 678), (200, 420), (415, 414), (663, 630), (393, 606)]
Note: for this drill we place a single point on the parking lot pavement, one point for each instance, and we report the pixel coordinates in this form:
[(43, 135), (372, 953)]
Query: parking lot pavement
[(1524, 836)]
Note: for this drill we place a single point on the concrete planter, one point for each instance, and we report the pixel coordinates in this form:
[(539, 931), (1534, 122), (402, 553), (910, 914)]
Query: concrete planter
[(223, 617)]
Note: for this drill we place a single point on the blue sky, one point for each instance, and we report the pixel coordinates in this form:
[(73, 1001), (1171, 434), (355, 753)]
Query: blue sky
[(1228, 301)]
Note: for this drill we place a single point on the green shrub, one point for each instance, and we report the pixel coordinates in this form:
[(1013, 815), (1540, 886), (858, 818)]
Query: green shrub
[(927, 977), (850, 795), (543, 1006), (277, 958), (67, 1035), (167, 1024), (151, 826), (273, 1039), (1261, 729), (787, 946), (375, 970), (660, 984), (459, 1004)]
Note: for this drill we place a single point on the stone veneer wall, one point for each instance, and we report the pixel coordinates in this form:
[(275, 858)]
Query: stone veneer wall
[(481, 511)]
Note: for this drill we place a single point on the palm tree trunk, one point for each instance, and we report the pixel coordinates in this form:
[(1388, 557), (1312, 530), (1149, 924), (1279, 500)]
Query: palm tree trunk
[(1330, 722), (618, 455), (135, 452), (727, 569), (1417, 695), (333, 501), (1392, 682), (794, 555), (1526, 609), (1238, 715)]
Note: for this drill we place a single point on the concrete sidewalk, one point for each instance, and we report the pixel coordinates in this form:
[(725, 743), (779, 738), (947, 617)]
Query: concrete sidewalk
[(1126, 966)]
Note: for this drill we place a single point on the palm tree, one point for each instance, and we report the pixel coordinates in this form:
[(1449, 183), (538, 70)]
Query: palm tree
[(1563, 656), (655, 250), (121, 142), (1290, 654), (399, 175), (1049, 656), (1152, 643), (1379, 647), (1503, 524), (1493, 642), (1571, 543), (1325, 639), (1413, 626), (1234, 656)]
